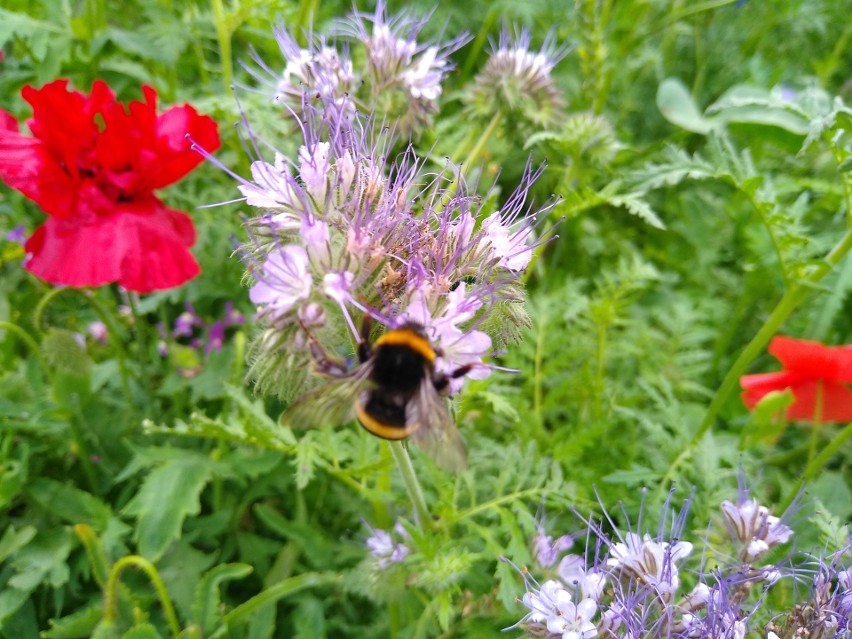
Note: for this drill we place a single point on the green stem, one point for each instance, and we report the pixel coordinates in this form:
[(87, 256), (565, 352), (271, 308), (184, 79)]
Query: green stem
[(75, 420), (788, 303), (307, 10), (223, 34), (473, 156), (111, 593), (104, 316), (479, 42), (538, 376), (600, 357), (815, 426), (32, 345), (244, 611), (95, 552), (409, 477)]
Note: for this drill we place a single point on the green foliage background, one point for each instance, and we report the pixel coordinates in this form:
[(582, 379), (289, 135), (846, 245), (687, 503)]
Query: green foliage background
[(704, 173)]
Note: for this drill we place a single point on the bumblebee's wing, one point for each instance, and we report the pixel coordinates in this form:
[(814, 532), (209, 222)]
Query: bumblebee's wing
[(437, 433), (330, 404)]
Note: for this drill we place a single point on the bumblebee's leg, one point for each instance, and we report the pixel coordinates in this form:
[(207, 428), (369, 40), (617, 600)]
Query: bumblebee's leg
[(364, 348), (440, 382), (325, 364)]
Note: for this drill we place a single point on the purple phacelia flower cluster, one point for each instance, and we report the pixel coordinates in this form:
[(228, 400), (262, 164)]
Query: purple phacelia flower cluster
[(400, 80), (630, 584), (387, 547), (347, 230)]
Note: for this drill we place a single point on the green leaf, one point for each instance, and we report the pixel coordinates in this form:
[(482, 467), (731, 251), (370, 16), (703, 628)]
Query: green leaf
[(168, 494), (753, 105), (310, 619), (832, 489), (142, 631), (678, 107), (78, 625), (636, 476), (12, 477), (307, 458), (44, 559), (207, 599), (11, 600), (13, 540), (73, 505)]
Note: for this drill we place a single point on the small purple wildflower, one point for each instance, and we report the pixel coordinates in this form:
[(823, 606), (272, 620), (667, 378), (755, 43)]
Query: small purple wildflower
[(232, 317), (18, 235), (545, 549), (186, 322), (215, 337), (385, 548)]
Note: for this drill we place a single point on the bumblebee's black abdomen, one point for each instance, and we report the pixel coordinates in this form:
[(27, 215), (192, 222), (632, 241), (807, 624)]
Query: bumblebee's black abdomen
[(398, 369), (386, 408)]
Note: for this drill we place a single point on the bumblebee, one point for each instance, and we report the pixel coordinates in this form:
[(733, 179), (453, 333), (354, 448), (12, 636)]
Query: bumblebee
[(394, 392)]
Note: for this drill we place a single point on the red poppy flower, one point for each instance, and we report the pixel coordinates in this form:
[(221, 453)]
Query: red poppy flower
[(93, 165), (810, 370)]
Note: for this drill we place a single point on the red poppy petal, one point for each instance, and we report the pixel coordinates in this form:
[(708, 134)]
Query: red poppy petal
[(64, 119), (175, 157), (27, 165), (9, 122), (140, 247), (813, 359), (836, 402), (183, 225)]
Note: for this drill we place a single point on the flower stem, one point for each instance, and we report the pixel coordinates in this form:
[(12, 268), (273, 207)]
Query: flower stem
[(223, 34), (307, 10), (111, 592), (415, 493), (474, 154), (27, 339), (788, 303)]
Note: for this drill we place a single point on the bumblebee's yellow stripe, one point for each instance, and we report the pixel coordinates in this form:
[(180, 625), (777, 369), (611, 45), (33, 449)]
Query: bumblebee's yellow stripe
[(409, 338), (377, 428)]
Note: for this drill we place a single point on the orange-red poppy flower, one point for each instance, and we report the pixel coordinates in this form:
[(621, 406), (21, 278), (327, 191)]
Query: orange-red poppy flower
[(818, 376)]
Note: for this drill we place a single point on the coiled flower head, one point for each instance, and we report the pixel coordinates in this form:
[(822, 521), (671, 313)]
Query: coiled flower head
[(518, 82)]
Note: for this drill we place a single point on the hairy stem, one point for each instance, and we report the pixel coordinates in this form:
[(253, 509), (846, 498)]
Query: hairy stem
[(111, 592), (409, 477)]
